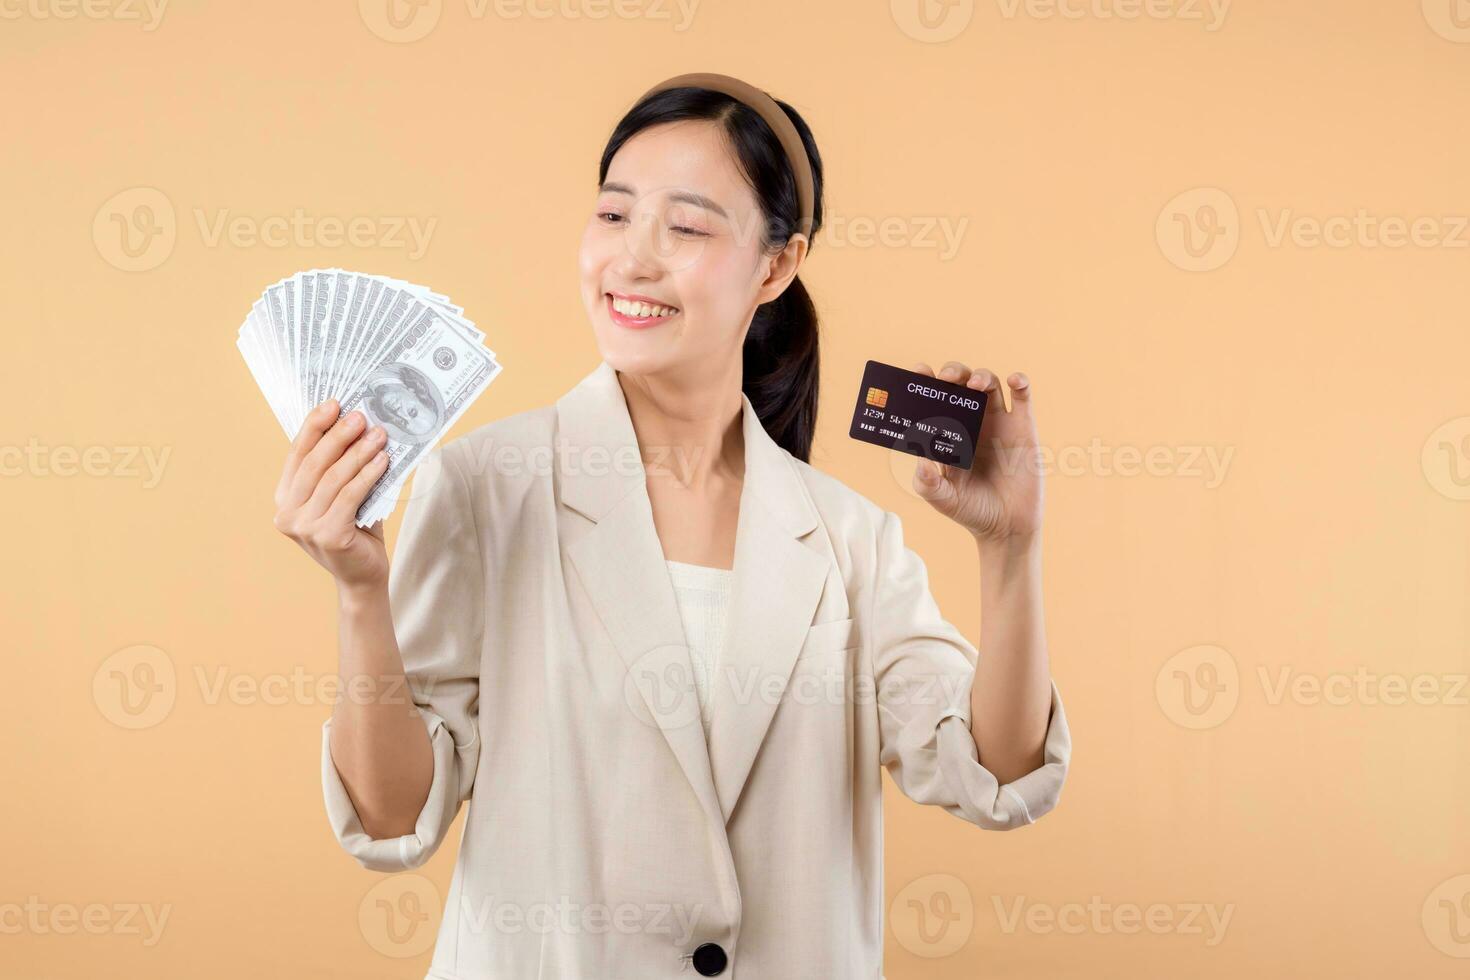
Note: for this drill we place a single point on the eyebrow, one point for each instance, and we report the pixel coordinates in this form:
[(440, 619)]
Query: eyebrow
[(686, 197)]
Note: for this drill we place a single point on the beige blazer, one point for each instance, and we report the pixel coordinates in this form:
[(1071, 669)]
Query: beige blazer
[(605, 839)]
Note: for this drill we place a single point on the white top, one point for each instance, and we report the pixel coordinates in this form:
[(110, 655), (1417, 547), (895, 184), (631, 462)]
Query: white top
[(703, 593)]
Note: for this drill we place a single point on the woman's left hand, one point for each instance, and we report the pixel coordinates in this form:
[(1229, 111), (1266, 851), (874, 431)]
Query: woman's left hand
[(999, 496)]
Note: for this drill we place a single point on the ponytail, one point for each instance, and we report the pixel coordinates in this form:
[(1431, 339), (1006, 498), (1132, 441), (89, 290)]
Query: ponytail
[(782, 368)]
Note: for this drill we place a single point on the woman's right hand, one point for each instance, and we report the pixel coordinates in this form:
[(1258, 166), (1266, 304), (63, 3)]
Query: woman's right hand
[(332, 465)]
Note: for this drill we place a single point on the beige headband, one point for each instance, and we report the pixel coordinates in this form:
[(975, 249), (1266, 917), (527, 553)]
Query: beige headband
[(777, 119)]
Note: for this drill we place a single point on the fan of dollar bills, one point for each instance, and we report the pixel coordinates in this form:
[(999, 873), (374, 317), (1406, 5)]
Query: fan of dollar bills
[(405, 356)]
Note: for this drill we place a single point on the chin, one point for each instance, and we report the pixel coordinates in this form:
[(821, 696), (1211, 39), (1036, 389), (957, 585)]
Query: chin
[(637, 362), (634, 353)]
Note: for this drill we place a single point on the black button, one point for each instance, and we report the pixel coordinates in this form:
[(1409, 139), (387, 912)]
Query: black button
[(710, 960)]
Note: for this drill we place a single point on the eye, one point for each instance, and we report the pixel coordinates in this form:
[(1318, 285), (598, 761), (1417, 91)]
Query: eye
[(609, 217), (694, 232)]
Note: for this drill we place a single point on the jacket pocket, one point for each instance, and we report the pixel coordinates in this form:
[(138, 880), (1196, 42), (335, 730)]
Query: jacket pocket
[(837, 634)]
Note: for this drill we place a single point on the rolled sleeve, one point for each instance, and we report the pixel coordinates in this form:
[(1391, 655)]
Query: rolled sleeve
[(436, 593), (924, 669)]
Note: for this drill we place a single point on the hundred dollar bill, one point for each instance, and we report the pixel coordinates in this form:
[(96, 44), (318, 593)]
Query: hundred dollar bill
[(425, 379)]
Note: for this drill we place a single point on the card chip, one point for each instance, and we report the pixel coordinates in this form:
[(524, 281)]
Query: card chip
[(877, 397)]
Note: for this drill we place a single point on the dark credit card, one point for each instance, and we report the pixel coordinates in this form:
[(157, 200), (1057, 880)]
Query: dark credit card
[(919, 415)]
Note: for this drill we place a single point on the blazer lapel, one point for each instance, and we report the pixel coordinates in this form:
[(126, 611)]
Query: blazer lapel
[(778, 581), (621, 564), (777, 584)]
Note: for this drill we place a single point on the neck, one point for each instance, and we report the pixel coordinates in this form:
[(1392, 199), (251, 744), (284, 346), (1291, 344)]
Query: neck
[(689, 430)]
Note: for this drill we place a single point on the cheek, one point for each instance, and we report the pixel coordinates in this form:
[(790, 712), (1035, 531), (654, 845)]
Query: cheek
[(717, 287), (594, 253)]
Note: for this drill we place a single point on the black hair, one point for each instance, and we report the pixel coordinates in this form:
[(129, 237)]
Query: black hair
[(781, 356)]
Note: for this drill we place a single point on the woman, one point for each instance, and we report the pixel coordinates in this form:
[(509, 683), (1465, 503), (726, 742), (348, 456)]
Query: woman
[(665, 656)]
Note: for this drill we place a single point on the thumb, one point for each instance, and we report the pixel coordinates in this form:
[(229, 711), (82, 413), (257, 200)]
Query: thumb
[(929, 483)]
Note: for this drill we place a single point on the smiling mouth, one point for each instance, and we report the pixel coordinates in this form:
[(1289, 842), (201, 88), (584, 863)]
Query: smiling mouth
[(638, 311)]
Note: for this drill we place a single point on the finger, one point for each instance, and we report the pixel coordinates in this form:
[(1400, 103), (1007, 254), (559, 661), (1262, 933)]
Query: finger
[(341, 472), (930, 483), (954, 371), (344, 508), (317, 422), (984, 379), (922, 368), (1020, 386), (327, 451)]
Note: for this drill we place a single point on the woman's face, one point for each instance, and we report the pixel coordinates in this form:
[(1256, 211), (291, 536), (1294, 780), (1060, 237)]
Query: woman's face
[(676, 225)]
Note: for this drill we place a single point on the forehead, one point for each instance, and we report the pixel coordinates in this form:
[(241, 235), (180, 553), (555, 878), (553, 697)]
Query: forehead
[(692, 155)]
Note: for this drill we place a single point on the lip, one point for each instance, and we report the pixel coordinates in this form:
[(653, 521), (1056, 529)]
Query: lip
[(636, 322)]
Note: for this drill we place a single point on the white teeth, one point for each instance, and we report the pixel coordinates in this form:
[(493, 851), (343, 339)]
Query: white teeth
[(628, 308)]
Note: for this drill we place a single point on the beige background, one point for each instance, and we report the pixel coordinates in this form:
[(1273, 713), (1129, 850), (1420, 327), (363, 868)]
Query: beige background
[(1192, 605)]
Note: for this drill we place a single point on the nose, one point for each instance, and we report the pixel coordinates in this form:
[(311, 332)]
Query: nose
[(643, 247)]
